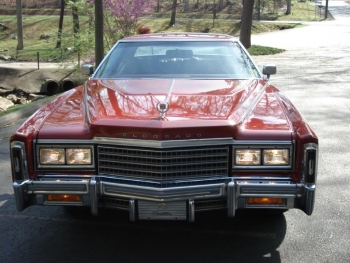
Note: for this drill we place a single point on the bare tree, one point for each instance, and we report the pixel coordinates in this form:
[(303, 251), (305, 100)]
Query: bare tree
[(173, 13), (99, 48), (246, 23), (20, 45), (60, 25)]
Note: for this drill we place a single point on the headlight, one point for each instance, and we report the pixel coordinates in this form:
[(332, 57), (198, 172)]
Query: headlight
[(248, 157), (276, 156), (78, 156), (57, 156), (52, 156), (264, 157)]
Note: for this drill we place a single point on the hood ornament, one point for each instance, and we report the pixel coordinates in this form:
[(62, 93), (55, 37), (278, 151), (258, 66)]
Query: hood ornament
[(162, 108)]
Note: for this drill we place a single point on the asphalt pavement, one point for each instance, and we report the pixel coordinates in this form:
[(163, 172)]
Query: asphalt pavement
[(314, 74)]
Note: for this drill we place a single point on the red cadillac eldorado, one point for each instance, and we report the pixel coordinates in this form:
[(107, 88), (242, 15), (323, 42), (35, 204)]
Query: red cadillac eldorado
[(168, 125)]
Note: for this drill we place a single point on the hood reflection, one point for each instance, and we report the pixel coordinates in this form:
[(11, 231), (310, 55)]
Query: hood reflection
[(187, 99)]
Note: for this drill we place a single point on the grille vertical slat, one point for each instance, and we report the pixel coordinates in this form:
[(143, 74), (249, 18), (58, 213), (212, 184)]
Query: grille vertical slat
[(163, 164)]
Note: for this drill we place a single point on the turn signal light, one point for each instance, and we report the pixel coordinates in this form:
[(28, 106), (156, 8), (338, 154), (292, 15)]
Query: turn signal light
[(64, 198), (265, 201)]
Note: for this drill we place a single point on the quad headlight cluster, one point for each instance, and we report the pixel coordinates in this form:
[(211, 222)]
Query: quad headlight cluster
[(261, 157), (65, 156)]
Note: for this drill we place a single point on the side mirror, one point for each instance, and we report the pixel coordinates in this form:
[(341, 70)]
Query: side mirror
[(87, 69), (269, 70)]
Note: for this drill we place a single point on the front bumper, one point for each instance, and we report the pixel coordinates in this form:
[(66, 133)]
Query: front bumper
[(166, 200)]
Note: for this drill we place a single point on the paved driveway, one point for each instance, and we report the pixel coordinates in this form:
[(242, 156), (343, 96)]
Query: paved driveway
[(314, 73)]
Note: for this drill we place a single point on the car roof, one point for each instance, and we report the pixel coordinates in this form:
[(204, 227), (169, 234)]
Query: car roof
[(180, 36)]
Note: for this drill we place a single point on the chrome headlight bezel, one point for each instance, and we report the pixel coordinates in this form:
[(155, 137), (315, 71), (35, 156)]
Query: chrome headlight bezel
[(66, 156), (259, 148)]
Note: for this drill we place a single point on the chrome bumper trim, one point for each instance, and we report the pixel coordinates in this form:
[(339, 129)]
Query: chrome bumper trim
[(231, 199), (163, 194), (235, 190)]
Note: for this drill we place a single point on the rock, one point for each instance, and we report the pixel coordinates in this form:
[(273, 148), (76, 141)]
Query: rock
[(12, 97), (4, 92), (3, 26), (34, 97), (22, 100), (44, 37), (5, 57), (5, 104)]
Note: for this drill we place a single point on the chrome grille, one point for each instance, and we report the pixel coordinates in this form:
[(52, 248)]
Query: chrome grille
[(163, 164)]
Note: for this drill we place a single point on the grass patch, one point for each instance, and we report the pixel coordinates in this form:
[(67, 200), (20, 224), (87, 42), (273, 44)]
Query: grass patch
[(40, 34), (255, 50)]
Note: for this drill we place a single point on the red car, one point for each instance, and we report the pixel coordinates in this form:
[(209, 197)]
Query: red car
[(169, 125)]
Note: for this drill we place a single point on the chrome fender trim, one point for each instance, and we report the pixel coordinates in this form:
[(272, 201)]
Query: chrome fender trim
[(310, 193), (19, 193)]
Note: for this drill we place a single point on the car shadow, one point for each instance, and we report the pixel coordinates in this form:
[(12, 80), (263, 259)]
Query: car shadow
[(59, 236), (251, 236)]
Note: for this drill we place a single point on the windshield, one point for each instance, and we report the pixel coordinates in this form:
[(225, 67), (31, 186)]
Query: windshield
[(175, 59)]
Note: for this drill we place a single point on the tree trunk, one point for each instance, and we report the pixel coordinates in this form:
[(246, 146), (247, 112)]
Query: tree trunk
[(60, 25), (187, 6), (20, 45), (99, 46), (289, 7), (158, 6), (221, 5), (173, 13), (246, 23), (75, 15)]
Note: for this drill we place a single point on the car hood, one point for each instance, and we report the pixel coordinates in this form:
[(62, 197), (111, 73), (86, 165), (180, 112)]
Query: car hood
[(184, 100), (133, 109)]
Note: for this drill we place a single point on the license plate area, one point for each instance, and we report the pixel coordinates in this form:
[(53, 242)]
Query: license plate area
[(148, 210)]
